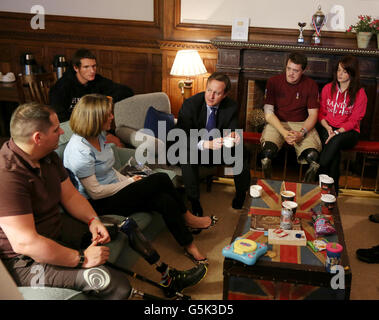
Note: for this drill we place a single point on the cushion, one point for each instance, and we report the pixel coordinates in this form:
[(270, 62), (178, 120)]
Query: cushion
[(367, 147), (131, 112), (117, 161), (151, 121), (137, 138), (126, 135)]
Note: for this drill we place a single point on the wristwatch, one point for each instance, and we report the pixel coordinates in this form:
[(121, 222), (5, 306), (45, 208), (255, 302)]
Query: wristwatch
[(81, 259), (304, 132), (336, 132)]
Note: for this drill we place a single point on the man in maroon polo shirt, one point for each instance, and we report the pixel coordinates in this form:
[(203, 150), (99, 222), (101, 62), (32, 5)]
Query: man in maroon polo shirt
[(291, 112)]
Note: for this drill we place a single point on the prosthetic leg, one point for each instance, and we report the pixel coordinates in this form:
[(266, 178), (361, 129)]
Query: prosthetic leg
[(269, 152), (176, 280), (311, 156), (138, 241), (134, 292)]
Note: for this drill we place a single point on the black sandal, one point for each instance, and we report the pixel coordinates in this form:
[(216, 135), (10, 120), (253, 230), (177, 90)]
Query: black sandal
[(214, 220), (374, 217), (194, 260)]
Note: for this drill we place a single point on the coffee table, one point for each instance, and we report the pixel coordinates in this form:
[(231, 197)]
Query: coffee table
[(290, 272)]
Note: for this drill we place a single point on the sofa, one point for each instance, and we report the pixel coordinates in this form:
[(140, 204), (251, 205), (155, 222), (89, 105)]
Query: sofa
[(150, 223)]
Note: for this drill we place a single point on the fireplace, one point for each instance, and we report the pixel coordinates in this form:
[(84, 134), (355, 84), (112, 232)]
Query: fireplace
[(254, 106)]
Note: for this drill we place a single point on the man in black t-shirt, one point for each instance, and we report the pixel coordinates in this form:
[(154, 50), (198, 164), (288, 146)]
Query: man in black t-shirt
[(82, 79)]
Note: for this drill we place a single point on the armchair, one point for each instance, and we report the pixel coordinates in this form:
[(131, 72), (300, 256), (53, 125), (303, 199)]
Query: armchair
[(130, 115)]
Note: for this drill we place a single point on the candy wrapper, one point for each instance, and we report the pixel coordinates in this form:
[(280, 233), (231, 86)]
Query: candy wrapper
[(318, 245), (322, 225)]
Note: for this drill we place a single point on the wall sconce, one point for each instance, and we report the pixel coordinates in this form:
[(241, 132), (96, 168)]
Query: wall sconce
[(187, 63)]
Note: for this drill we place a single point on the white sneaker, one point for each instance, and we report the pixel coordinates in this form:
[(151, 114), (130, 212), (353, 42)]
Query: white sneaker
[(9, 77)]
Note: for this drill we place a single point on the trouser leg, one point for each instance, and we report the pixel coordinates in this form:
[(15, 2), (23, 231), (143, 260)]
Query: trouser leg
[(100, 282), (242, 180), (343, 141), (190, 175), (334, 170), (174, 219), (153, 193), (331, 154)]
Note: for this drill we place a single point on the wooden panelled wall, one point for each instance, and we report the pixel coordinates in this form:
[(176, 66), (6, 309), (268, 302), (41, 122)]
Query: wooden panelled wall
[(139, 54)]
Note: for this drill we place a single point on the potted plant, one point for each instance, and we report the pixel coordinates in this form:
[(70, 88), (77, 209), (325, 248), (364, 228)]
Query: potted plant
[(375, 29), (363, 29)]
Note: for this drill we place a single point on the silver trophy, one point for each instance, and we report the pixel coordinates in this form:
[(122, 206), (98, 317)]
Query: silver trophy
[(318, 21), (300, 39)]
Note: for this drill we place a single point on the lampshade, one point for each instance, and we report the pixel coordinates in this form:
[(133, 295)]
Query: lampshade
[(187, 63)]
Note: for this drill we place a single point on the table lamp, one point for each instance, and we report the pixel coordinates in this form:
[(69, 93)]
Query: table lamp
[(187, 63)]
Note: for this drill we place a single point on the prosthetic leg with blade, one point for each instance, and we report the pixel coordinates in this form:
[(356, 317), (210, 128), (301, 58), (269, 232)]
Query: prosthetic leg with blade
[(141, 245)]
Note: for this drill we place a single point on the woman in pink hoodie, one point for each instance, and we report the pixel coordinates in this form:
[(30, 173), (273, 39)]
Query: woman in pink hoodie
[(342, 107)]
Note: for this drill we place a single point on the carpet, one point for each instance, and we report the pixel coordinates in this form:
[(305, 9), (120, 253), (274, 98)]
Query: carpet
[(358, 230)]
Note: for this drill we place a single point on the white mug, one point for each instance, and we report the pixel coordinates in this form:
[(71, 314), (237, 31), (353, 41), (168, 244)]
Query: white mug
[(228, 142), (256, 190)]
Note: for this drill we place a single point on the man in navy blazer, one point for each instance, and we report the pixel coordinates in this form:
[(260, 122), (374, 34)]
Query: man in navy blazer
[(209, 110)]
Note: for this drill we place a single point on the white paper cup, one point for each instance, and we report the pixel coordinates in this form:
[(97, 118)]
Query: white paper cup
[(290, 205), (228, 142), (328, 203), (327, 184), (287, 195), (321, 177), (256, 191)]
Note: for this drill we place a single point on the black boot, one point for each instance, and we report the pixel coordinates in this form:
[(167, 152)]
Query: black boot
[(178, 280), (369, 255)]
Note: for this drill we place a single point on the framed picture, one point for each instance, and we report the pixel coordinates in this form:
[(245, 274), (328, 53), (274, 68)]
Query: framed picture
[(240, 29)]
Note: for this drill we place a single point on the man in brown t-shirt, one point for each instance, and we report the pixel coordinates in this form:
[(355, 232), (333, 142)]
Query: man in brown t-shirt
[(33, 184), (291, 112)]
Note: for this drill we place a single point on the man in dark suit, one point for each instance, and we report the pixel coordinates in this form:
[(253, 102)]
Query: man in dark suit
[(209, 110)]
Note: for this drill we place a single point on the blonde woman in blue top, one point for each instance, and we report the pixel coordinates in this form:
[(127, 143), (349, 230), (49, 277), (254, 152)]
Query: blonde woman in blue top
[(91, 160)]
